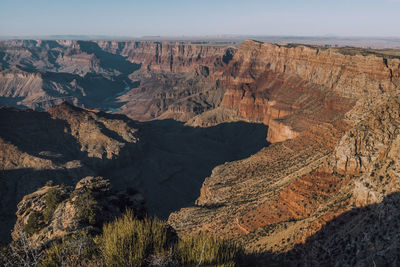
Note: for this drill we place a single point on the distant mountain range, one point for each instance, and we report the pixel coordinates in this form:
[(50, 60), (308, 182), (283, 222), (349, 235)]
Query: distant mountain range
[(328, 40)]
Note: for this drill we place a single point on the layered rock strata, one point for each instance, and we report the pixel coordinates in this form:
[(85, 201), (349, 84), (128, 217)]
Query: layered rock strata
[(332, 117)]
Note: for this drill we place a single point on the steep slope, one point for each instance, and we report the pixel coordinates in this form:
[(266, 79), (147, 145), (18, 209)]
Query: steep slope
[(164, 160), (289, 88), (176, 57), (40, 74), (333, 118), (368, 155), (64, 144), (176, 80)]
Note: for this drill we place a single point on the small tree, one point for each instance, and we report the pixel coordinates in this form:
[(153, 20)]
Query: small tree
[(53, 198), (87, 207)]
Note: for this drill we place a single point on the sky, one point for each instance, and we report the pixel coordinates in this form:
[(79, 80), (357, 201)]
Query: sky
[(136, 18)]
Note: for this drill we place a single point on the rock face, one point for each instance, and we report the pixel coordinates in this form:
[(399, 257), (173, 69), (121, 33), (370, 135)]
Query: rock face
[(171, 57), (61, 210), (40, 74), (280, 85), (64, 144), (258, 82), (333, 118), (176, 80), (155, 158)]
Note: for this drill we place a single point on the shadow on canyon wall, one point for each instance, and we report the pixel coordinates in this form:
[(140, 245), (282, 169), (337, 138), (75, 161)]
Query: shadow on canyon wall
[(177, 158), (168, 166), (108, 60), (366, 236)]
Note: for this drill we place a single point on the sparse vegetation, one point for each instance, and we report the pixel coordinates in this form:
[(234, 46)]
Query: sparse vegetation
[(206, 250), (75, 250), (53, 198), (34, 223), (49, 183), (21, 252), (129, 242), (88, 210)]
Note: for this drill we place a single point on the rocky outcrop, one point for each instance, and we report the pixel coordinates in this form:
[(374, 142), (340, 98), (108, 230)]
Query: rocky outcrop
[(33, 90), (64, 144), (53, 212), (90, 128), (373, 138)]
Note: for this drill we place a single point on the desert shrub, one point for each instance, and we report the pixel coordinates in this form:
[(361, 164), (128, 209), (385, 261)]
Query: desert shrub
[(130, 242), (54, 256), (34, 223), (87, 207), (206, 250), (75, 250), (4, 251), (53, 198), (21, 252), (49, 183)]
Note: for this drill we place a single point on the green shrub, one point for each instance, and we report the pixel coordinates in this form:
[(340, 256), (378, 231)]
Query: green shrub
[(75, 250), (87, 207), (49, 183), (205, 250), (34, 223), (129, 242), (53, 198)]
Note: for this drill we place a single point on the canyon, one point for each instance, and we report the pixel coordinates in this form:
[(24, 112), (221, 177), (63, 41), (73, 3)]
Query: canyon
[(286, 148)]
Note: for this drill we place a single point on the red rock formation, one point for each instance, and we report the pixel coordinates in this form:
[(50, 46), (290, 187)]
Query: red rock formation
[(333, 117), (267, 83)]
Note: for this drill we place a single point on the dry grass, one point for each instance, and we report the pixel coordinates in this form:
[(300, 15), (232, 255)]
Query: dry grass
[(129, 242), (206, 251)]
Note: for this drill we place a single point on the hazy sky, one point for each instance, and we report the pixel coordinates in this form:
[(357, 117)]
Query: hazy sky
[(200, 17)]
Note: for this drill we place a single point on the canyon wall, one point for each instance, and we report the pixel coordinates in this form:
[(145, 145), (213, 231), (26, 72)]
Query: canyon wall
[(144, 80), (201, 84), (171, 57), (333, 121), (332, 117), (267, 83)]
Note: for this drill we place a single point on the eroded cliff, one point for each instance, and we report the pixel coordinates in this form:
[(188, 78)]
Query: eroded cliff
[(291, 87), (333, 116)]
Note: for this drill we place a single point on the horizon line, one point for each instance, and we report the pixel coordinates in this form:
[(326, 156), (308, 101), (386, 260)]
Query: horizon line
[(216, 36)]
